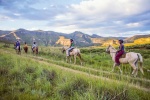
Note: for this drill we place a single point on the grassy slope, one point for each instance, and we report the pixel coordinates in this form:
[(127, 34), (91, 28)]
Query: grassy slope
[(25, 78)]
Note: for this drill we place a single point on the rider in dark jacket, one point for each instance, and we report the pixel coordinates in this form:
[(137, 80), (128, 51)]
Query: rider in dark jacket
[(120, 52), (71, 46)]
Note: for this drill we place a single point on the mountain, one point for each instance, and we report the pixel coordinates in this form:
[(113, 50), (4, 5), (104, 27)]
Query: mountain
[(95, 36), (57, 39)]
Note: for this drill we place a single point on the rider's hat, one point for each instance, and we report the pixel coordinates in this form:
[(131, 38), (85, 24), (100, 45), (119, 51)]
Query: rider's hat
[(71, 39), (121, 40)]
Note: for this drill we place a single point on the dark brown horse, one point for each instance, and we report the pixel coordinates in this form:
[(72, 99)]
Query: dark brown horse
[(35, 50), (25, 49)]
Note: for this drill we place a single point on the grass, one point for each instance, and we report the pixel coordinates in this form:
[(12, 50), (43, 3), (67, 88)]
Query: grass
[(30, 77)]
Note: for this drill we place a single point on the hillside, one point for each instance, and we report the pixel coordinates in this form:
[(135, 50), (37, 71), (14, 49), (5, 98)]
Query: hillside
[(47, 76), (52, 38), (131, 39), (142, 40)]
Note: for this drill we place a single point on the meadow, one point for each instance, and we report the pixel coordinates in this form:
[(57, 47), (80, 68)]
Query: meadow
[(47, 76)]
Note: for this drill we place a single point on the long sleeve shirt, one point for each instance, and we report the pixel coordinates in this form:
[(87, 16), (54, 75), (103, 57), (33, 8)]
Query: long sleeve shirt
[(72, 44), (121, 47), (17, 44), (34, 45)]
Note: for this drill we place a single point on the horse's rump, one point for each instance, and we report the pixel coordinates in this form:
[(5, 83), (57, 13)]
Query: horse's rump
[(35, 49), (25, 49)]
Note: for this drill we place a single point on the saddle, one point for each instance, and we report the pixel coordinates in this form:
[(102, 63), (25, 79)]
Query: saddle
[(124, 55), (71, 50)]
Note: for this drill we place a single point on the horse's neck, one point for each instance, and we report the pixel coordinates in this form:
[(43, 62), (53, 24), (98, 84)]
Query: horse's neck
[(113, 53), (66, 48)]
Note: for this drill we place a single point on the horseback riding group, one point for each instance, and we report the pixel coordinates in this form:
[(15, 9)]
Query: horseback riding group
[(18, 48), (118, 56)]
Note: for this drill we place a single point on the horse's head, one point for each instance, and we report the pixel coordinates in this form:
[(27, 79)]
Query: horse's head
[(108, 49)]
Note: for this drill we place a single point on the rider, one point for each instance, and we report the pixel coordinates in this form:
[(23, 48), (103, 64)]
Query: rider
[(25, 44), (17, 44), (71, 46), (120, 52), (34, 45)]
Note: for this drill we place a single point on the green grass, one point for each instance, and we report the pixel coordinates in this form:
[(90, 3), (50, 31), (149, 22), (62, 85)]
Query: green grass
[(29, 77)]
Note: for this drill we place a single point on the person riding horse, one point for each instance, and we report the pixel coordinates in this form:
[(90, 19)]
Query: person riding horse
[(17, 45), (120, 52), (25, 47), (71, 47), (34, 45)]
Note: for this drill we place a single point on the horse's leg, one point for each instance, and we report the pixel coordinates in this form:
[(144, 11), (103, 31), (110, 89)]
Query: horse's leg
[(70, 58), (67, 59), (120, 69), (74, 59), (134, 69), (113, 67)]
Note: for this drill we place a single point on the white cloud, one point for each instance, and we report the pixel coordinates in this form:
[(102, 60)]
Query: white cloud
[(17, 14), (133, 25), (106, 8), (99, 16)]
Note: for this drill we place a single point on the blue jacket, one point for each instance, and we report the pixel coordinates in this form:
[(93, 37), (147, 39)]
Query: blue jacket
[(17, 43)]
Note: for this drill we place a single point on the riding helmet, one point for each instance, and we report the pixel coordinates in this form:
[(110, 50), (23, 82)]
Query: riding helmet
[(121, 40), (71, 39)]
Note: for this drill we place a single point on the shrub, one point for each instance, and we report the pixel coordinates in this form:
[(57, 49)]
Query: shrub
[(50, 75), (3, 71), (30, 70)]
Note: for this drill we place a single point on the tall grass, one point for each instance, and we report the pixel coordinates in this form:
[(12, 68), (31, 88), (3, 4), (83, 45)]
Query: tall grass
[(30, 79)]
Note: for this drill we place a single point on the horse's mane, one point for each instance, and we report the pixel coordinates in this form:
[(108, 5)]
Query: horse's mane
[(112, 47)]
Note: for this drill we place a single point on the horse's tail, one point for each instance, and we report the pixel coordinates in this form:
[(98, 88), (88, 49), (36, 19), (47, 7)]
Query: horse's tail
[(141, 62)]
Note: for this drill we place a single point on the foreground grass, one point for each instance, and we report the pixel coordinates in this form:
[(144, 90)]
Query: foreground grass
[(96, 62), (27, 79)]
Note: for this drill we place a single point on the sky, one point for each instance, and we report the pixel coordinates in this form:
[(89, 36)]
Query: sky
[(102, 17)]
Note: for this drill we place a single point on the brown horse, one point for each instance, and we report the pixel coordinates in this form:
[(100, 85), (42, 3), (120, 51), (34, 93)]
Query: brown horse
[(25, 49), (35, 50)]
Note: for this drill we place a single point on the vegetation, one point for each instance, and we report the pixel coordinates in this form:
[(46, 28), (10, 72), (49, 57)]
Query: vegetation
[(47, 76)]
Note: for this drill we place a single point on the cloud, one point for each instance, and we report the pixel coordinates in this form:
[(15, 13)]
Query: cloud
[(106, 16), (90, 16)]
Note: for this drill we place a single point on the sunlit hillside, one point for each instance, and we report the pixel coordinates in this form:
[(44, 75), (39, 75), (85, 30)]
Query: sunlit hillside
[(110, 42), (142, 41)]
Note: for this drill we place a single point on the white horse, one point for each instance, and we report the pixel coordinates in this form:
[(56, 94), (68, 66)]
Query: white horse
[(131, 58), (75, 52)]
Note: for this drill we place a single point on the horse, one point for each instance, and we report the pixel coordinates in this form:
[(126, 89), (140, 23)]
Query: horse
[(73, 53), (35, 50), (25, 49), (18, 49), (130, 58)]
